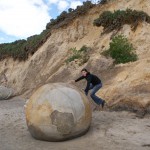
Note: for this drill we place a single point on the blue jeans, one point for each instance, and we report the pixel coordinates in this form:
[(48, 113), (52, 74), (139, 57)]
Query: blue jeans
[(94, 89)]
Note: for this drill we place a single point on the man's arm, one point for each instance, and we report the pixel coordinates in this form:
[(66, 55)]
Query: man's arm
[(88, 85), (80, 78)]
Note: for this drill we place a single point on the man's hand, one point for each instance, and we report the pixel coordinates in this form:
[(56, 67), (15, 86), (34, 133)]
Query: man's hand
[(86, 93)]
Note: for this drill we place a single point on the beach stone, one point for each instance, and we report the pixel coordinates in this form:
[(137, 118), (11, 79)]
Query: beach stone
[(5, 93), (57, 112)]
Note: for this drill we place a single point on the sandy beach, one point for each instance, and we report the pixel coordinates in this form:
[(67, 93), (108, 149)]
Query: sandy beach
[(109, 131)]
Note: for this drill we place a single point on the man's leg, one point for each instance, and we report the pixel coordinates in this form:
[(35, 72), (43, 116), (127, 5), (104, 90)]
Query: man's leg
[(96, 99), (91, 87)]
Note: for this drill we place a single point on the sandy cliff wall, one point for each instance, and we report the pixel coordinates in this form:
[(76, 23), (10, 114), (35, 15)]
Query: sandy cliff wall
[(125, 85)]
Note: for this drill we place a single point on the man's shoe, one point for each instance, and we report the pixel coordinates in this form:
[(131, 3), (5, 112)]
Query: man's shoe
[(103, 103)]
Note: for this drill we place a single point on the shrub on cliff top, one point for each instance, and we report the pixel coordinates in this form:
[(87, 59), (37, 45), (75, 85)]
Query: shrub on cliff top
[(102, 1), (66, 17), (115, 20), (21, 49), (121, 50)]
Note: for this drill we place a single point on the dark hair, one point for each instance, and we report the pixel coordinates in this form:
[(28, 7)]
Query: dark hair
[(84, 70)]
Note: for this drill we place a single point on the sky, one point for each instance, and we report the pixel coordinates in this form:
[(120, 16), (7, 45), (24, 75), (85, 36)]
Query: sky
[(20, 19)]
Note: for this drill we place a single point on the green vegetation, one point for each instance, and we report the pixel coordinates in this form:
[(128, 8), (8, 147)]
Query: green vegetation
[(21, 49), (121, 50), (115, 20), (82, 55), (66, 17), (13, 50), (103, 1)]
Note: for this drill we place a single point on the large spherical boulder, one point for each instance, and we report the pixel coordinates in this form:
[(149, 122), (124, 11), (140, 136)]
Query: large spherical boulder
[(57, 112)]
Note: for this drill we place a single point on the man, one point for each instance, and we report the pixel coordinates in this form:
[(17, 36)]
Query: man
[(94, 83)]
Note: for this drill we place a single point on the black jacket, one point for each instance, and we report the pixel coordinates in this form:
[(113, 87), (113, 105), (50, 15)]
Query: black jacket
[(91, 78)]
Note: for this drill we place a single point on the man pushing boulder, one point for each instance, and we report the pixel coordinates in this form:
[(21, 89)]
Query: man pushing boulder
[(94, 84)]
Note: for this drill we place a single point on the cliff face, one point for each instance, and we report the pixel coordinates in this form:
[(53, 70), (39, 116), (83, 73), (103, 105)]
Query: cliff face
[(125, 86)]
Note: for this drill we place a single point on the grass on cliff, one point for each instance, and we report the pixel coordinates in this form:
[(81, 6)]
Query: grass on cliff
[(21, 49), (115, 20), (66, 17), (121, 50), (82, 55)]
